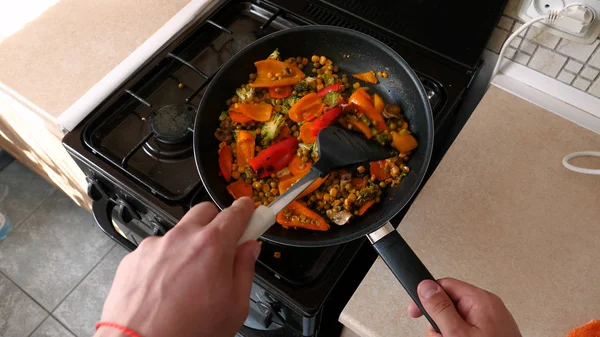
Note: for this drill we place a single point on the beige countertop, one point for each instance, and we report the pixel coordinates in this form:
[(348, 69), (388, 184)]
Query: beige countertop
[(501, 212), (53, 60)]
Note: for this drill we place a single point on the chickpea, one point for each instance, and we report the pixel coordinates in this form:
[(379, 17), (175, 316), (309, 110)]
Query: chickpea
[(337, 203), (304, 158), (333, 192), (274, 191), (382, 184), (372, 178), (393, 126), (380, 74), (352, 197), (261, 194), (273, 184), (235, 175), (319, 195), (314, 58), (385, 75), (278, 101), (395, 171), (316, 65), (314, 70), (347, 204), (240, 169), (321, 203), (361, 169), (406, 169), (305, 61), (270, 199), (356, 85), (294, 93), (256, 185), (348, 186), (322, 60), (313, 198), (265, 202)]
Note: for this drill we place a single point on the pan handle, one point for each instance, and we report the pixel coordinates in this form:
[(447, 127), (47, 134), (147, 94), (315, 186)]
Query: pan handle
[(403, 262)]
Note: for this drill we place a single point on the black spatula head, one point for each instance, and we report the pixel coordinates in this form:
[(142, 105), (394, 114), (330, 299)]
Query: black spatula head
[(340, 148)]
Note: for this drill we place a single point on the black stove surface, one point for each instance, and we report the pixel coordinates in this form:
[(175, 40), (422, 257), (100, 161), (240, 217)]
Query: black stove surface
[(152, 168)]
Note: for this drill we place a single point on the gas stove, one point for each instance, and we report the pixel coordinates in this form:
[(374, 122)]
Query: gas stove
[(136, 151)]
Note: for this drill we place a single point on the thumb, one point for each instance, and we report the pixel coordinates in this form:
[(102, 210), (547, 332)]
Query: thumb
[(243, 268), (439, 306)]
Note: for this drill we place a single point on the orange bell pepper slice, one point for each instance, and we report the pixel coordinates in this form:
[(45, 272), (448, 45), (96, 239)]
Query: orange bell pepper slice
[(358, 125), (280, 92), (307, 108), (239, 117), (378, 103), (225, 162), (298, 167), (358, 182), (260, 112), (368, 76), (244, 147), (380, 170), (296, 209), (306, 133), (365, 207), (363, 101), (267, 67), (285, 184), (239, 189), (404, 143)]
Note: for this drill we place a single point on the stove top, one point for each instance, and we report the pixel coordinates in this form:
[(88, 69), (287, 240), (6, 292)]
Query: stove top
[(137, 144)]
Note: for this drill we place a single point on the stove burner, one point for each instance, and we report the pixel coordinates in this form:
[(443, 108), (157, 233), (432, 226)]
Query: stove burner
[(173, 124)]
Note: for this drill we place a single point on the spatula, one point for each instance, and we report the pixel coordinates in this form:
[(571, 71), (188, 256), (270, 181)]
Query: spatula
[(338, 148)]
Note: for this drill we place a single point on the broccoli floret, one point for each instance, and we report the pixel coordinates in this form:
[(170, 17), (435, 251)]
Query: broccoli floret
[(275, 54), (224, 115), (327, 79), (367, 193), (307, 84), (245, 93), (288, 103), (270, 130), (331, 98), (382, 138)]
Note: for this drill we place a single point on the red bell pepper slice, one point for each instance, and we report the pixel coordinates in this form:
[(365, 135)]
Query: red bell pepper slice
[(325, 120), (333, 87), (226, 162), (275, 157)]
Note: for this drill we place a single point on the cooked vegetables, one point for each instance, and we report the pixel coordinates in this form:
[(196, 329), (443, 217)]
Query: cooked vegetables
[(268, 134)]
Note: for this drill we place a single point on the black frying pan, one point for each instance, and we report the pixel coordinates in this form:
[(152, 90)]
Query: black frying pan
[(402, 88)]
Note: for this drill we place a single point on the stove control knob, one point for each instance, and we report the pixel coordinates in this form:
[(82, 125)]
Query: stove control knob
[(95, 189), (266, 314), (125, 212), (157, 229)]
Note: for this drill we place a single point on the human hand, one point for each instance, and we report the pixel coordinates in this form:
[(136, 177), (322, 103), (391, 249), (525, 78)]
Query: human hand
[(478, 313), (194, 281)]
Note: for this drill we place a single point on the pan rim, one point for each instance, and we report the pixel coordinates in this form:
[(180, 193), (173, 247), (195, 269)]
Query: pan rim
[(429, 137)]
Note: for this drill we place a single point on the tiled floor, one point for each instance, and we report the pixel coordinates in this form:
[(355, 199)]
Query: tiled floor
[(56, 266)]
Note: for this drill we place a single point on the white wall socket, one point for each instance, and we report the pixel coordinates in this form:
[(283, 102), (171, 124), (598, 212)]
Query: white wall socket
[(585, 29)]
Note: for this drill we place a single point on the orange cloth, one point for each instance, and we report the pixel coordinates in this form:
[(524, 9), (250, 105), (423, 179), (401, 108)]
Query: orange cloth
[(592, 329)]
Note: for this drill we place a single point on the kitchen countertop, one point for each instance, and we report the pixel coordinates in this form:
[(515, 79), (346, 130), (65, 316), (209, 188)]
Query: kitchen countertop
[(53, 60), (501, 212)]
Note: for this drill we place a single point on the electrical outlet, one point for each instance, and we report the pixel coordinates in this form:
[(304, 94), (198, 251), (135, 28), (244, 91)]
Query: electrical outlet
[(581, 23)]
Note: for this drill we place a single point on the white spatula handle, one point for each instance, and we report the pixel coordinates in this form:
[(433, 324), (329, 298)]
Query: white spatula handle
[(262, 219)]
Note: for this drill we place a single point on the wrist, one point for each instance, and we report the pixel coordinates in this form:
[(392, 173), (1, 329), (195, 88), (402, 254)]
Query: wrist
[(105, 331)]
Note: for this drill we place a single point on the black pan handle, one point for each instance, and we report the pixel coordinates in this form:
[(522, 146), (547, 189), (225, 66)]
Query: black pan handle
[(403, 262), (102, 212)]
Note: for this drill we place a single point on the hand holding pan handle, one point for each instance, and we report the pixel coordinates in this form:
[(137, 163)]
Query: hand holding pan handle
[(403, 262)]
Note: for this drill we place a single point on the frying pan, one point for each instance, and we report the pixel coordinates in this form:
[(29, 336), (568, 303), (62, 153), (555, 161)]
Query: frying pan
[(402, 88)]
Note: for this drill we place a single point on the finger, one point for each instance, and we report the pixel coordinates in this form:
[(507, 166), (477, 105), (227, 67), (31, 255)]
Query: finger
[(440, 307), (243, 268), (199, 216), (233, 220), (414, 311), (429, 332), (457, 289)]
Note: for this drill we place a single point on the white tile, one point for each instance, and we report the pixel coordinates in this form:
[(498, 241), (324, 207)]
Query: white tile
[(512, 9), (517, 26), (579, 51), (522, 58), (516, 42), (574, 66), (581, 83), (542, 36), (589, 73), (510, 53), (506, 23), (595, 60), (497, 40), (566, 77), (547, 62), (595, 88), (528, 47)]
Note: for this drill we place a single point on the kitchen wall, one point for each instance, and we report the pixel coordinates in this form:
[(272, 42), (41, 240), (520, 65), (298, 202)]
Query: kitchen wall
[(575, 64)]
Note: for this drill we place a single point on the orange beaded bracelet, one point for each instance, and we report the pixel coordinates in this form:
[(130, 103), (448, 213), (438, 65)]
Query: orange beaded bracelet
[(126, 331)]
